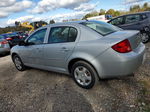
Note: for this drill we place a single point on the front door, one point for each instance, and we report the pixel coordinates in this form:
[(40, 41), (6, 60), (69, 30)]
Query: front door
[(33, 53)]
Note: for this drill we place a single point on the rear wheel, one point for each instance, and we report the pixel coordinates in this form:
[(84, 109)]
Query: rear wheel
[(18, 63), (84, 74), (145, 37)]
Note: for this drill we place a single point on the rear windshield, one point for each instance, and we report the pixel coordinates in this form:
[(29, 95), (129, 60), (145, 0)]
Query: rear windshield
[(101, 27), (11, 35)]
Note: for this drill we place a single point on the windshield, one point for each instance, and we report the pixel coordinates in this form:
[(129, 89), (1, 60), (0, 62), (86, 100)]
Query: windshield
[(101, 27)]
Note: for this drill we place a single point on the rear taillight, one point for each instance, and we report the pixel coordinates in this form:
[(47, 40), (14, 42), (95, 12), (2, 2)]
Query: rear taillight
[(8, 38), (3, 42), (122, 47), (20, 37)]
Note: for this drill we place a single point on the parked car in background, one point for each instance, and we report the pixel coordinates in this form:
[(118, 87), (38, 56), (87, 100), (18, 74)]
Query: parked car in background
[(137, 21), (4, 45), (12, 38), (21, 34), (88, 50)]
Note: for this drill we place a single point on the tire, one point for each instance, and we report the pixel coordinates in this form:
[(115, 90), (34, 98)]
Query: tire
[(18, 63), (145, 37), (84, 75)]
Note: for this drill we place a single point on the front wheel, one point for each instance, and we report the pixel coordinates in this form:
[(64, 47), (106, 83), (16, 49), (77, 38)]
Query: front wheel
[(18, 63), (84, 74), (145, 37)]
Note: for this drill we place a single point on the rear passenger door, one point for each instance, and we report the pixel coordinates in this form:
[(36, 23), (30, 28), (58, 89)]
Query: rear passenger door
[(61, 43), (132, 22)]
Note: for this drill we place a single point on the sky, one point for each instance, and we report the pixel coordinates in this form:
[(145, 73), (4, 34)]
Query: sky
[(36, 10)]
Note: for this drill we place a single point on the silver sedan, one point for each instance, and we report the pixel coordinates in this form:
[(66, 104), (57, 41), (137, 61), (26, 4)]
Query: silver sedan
[(87, 50)]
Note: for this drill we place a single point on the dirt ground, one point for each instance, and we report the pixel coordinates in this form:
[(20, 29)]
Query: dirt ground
[(41, 91)]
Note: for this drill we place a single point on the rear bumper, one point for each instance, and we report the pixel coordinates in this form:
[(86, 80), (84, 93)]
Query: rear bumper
[(113, 64), (4, 50)]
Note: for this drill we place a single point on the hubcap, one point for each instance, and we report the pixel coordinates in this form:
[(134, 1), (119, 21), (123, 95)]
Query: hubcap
[(145, 37), (18, 63), (82, 76)]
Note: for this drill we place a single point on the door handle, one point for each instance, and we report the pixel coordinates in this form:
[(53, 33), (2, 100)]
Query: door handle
[(38, 49), (64, 49)]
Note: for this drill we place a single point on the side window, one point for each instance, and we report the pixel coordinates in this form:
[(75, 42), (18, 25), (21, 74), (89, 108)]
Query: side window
[(144, 16), (37, 37), (132, 19), (72, 34), (117, 21), (62, 34)]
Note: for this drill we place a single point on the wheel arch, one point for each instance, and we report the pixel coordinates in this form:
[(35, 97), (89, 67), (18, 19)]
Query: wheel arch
[(73, 61), (13, 54)]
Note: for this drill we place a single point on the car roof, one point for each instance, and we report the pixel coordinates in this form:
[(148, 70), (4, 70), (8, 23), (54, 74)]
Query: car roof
[(70, 23), (63, 23), (8, 34)]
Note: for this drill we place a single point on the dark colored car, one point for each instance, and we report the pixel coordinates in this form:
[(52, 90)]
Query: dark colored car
[(21, 34), (12, 39), (137, 21)]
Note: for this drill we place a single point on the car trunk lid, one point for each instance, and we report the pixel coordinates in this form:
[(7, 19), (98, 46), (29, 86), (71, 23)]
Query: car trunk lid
[(133, 37), (2, 42)]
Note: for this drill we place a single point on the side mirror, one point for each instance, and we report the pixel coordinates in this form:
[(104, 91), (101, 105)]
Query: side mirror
[(29, 43), (22, 43)]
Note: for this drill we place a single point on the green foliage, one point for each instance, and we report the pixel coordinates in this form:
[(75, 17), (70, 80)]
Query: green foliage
[(51, 21), (117, 13), (138, 8), (135, 8), (102, 12), (111, 12), (12, 29), (92, 14), (146, 7)]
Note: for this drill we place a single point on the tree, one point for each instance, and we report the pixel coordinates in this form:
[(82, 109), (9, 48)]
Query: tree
[(92, 14), (146, 7), (51, 21), (135, 8), (111, 12), (17, 23), (117, 13), (12, 29), (102, 12)]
